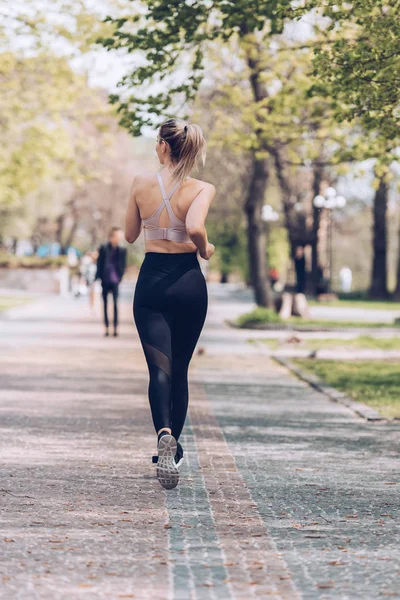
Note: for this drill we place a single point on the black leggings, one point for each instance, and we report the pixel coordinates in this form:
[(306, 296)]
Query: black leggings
[(113, 288), (169, 308)]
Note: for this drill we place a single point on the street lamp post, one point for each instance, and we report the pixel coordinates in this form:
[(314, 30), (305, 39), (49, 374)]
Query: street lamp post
[(330, 200)]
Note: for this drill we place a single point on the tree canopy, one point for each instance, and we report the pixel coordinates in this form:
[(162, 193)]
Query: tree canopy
[(171, 37), (56, 132), (357, 61), (64, 26)]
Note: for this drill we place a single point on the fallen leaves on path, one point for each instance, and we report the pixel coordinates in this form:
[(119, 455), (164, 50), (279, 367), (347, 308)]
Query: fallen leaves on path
[(326, 586)]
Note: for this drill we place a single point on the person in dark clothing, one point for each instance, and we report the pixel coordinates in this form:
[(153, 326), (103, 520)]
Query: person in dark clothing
[(300, 268), (322, 280), (111, 265)]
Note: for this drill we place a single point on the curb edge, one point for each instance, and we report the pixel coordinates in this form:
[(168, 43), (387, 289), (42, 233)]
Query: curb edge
[(362, 410)]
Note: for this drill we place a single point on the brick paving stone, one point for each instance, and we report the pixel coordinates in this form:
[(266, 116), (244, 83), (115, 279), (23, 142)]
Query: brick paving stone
[(196, 555), (255, 567), (283, 493), (325, 481)]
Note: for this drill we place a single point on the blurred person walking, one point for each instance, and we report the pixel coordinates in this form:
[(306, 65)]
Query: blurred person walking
[(170, 301), (300, 268), (111, 264), (346, 279), (88, 271)]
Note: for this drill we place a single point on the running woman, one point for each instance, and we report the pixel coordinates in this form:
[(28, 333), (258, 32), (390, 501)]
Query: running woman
[(170, 301)]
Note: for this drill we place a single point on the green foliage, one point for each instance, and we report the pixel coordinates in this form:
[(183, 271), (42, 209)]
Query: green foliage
[(359, 300), (7, 302), (230, 251), (36, 94), (299, 324), (29, 25), (58, 136), (10, 261), (258, 315), (363, 342), (278, 249), (357, 63), (288, 121), (169, 35), (47, 110), (54, 130)]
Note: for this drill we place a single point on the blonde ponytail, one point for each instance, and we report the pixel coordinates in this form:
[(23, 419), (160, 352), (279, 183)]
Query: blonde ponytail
[(187, 144)]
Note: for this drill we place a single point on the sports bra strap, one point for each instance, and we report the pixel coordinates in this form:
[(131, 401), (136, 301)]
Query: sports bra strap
[(166, 197), (176, 231)]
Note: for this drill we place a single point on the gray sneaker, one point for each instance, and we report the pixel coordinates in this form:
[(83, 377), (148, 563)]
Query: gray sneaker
[(167, 470), (178, 456)]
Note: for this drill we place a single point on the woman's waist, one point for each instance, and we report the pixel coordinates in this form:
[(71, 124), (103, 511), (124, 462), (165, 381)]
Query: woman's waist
[(170, 246), (166, 261)]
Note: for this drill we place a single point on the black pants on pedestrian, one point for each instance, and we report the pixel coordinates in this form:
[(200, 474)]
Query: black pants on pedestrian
[(169, 307), (113, 288)]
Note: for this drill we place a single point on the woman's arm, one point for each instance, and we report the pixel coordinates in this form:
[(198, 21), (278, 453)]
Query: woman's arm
[(133, 222), (196, 217)]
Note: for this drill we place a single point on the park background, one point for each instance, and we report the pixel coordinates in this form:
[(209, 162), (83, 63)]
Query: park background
[(299, 105), (290, 483)]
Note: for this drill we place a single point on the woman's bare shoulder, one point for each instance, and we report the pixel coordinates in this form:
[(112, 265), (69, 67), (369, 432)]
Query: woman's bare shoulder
[(143, 179), (202, 184)]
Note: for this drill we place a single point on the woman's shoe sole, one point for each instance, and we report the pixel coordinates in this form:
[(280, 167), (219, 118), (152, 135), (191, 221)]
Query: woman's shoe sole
[(167, 472)]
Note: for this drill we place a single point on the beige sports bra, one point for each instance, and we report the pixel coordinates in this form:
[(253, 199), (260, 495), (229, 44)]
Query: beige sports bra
[(176, 232)]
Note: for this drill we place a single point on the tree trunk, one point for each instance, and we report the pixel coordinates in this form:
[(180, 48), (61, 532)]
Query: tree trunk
[(397, 290), (288, 208), (256, 236), (93, 238), (315, 260), (73, 205), (59, 232), (71, 234), (378, 288)]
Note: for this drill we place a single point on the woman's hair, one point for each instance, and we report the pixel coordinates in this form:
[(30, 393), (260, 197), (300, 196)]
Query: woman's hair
[(187, 144)]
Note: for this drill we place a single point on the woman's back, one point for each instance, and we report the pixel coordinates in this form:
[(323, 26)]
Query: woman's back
[(150, 203)]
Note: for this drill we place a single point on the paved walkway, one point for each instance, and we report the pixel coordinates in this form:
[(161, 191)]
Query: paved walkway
[(284, 494)]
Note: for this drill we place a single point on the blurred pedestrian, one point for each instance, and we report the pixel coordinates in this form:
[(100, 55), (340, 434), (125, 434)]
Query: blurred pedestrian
[(300, 268), (322, 280), (346, 279), (72, 257), (88, 271), (111, 264), (170, 302), (273, 276)]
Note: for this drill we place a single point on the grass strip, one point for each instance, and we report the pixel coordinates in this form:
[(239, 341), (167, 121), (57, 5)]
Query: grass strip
[(7, 302), (376, 383), (364, 342)]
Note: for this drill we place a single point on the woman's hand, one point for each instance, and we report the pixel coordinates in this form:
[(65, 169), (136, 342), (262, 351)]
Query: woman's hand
[(209, 251)]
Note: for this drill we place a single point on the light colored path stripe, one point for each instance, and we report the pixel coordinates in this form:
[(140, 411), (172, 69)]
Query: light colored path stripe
[(195, 553), (255, 567)]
